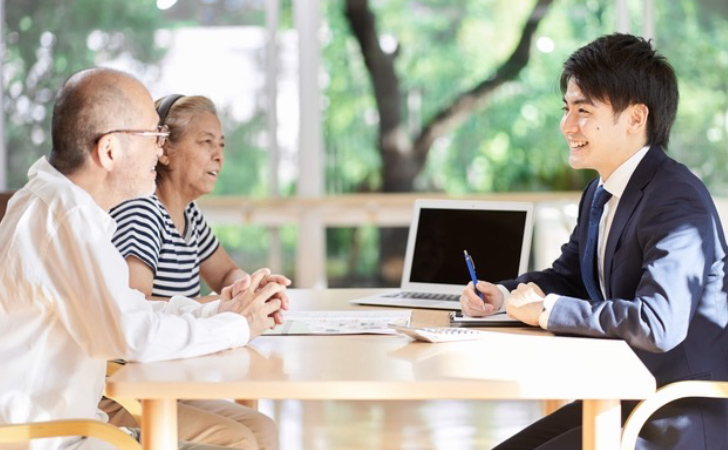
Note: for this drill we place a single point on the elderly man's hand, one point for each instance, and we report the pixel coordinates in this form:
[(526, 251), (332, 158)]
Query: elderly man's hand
[(260, 306), (283, 295), (241, 284), (526, 303)]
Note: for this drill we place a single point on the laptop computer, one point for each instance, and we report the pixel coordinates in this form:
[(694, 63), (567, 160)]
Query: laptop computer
[(497, 235)]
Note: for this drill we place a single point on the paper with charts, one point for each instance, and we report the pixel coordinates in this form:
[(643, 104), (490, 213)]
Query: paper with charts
[(340, 322)]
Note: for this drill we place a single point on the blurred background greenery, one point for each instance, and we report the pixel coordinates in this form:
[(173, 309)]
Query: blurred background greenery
[(429, 53)]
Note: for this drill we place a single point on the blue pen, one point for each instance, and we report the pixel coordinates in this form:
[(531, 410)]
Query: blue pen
[(471, 268)]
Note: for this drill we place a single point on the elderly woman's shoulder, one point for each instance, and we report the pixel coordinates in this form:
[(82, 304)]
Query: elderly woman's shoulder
[(148, 205)]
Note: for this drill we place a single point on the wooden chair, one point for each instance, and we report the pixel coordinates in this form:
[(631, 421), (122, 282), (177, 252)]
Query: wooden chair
[(63, 428), (663, 396), (131, 405), (78, 427)]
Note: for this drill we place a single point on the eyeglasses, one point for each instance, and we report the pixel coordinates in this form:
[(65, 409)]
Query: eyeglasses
[(161, 134)]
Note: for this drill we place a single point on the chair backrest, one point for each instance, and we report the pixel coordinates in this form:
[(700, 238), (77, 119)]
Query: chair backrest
[(4, 198), (24, 432)]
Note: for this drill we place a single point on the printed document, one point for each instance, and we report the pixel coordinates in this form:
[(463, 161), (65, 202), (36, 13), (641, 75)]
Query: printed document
[(341, 322)]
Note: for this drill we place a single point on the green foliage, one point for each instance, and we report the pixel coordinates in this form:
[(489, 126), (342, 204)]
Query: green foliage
[(445, 48), (48, 41), (697, 50), (513, 142), (245, 166), (248, 246), (349, 128), (351, 256)]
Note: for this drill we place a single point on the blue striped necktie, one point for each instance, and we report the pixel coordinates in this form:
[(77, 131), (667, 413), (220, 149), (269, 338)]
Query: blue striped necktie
[(589, 258)]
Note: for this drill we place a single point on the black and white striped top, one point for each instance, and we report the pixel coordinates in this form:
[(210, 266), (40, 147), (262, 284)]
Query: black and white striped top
[(145, 230)]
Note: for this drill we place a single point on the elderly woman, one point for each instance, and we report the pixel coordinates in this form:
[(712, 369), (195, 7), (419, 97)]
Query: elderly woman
[(168, 246)]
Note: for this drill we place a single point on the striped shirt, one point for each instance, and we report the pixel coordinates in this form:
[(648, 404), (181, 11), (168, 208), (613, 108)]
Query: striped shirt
[(145, 230)]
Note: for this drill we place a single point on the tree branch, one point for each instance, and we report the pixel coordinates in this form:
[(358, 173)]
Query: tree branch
[(464, 105), (379, 64)]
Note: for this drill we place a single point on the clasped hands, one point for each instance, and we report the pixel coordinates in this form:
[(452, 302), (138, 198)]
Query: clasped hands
[(525, 303), (261, 298)]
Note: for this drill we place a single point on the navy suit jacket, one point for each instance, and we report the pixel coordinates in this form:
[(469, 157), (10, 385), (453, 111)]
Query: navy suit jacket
[(666, 284)]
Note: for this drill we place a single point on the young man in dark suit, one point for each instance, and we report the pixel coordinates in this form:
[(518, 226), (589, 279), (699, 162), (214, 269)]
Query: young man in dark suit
[(646, 261)]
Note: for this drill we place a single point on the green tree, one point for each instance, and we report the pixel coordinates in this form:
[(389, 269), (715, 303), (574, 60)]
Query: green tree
[(512, 142), (403, 146), (694, 37), (403, 156), (47, 41)]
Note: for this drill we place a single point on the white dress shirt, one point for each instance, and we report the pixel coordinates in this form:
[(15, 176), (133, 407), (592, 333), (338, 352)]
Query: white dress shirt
[(615, 185), (66, 307)]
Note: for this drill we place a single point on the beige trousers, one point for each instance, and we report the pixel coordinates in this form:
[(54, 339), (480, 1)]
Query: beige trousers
[(216, 422)]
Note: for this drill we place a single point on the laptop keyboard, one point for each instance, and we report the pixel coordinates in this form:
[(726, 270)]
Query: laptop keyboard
[(424, 296)]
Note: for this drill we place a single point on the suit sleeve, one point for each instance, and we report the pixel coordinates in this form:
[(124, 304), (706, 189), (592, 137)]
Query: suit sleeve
[(564, 276), (676, 239)]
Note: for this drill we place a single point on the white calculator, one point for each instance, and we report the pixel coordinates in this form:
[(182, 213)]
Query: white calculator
[(442, 334)]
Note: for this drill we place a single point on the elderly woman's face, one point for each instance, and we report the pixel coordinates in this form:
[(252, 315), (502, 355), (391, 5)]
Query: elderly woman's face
[(196, 160)]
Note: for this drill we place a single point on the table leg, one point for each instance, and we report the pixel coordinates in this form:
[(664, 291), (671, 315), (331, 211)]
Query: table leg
[(550, 406), (601, 424), (159, 424)]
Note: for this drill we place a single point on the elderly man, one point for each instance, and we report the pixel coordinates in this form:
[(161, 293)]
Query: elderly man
[(65, 302)]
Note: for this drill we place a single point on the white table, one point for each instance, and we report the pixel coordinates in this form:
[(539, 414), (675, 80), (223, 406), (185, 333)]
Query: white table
[(508, 364)]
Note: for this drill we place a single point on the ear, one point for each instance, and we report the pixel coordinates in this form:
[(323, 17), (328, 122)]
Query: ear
[(107, 152), (638, 118), (166, 151)]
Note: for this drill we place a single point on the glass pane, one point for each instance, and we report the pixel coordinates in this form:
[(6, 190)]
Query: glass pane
[(693, 34), (440, 50), (248, 246), (215, 48), (212, 48)]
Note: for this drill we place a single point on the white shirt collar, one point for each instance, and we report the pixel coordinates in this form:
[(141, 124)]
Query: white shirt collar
[(44, 170), (617, 182)]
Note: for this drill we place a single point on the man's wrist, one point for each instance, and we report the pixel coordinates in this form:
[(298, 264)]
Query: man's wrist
[(506, 293), (548, 305)]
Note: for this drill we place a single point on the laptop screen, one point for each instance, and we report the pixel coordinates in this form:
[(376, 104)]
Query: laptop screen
[(494, 235)]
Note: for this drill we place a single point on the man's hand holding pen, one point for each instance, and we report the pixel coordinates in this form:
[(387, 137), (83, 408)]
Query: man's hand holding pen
[(474, 306)]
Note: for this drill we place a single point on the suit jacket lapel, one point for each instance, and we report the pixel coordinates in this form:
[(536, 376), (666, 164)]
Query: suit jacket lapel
[(627, 205)]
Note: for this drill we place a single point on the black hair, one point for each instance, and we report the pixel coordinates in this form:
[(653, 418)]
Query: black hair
[(626, 70), (164, 105)]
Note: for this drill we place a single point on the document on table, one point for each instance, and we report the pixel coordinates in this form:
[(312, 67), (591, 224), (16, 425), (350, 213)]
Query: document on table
[(340, 322)]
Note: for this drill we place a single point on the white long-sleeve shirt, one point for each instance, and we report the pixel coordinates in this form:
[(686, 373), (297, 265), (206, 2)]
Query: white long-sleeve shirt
[(66, 307)]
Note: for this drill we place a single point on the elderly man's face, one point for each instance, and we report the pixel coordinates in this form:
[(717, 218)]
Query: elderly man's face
[(136, 172)]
